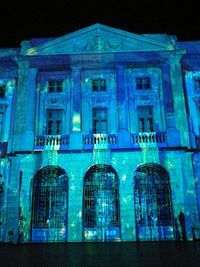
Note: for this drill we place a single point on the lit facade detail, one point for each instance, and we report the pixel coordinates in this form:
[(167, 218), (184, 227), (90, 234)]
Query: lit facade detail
[(100, 138)]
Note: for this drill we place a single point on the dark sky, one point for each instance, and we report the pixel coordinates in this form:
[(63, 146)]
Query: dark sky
[(22, 21)]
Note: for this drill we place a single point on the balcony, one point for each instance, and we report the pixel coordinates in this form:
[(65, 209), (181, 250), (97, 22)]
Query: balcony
[(51, 142), (149, 139), (99, 141)]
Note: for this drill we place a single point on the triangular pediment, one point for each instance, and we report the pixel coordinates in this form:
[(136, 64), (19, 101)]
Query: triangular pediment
[(99, 38)]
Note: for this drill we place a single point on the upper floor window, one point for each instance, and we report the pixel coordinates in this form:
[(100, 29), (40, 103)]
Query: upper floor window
[(2, 91), (145, 119), (143, 83), (100, 121), (55, 86), (54, 121), (99, 85), (1, 122), (197, 84)]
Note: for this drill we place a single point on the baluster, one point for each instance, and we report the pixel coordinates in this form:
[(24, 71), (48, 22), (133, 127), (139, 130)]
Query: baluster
[(153, 137), (158, 139)]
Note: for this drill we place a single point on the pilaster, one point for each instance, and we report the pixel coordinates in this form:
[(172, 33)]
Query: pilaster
[(179, 98), (76, 136), (25, 106), (123, 135)]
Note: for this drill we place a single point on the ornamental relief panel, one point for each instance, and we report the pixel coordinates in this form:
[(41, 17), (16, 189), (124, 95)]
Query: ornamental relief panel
[(99, 101), (55, 101), (196, 100), (3, 107), (145, 99), (98, 43)]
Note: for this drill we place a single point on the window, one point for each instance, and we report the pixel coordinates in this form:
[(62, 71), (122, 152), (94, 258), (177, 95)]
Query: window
[(99, 85), (100, 122), (145, 119), (2, 91), (55, 86), (197, 84), (153, 206), (101, 216), (54, 121), (49, 205), (143, 83)]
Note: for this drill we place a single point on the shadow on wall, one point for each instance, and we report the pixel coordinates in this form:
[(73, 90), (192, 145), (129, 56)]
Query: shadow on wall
[(180, 230)]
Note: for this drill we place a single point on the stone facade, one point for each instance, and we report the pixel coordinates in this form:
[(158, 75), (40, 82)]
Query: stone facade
[(100, 138)]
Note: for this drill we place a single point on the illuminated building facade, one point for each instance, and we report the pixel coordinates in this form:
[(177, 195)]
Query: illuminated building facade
[(100, 138)]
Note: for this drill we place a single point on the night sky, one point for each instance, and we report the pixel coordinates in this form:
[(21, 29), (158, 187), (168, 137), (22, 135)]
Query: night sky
[(31, 20)]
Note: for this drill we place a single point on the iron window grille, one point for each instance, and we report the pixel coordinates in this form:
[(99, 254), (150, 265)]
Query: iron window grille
[(153, 196), (101, 198), (50, 193)]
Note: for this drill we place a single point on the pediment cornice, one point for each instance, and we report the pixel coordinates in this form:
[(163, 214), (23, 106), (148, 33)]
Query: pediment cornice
[(99, 39)]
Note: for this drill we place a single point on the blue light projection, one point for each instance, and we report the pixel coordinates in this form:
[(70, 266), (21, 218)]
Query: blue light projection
[(100, 138)]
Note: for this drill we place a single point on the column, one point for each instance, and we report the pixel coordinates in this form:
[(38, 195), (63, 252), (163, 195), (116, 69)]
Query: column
[(76, 135), (123, 135), (173, 135), (25, 107), (167, 90), (13, 202), (179, 98), (30, 110)]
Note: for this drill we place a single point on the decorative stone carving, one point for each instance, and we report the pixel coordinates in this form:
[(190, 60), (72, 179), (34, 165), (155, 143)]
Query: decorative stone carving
[(196, 100), (56, 100), (98, 44), (3, 107), (95, 101), (145, 99)]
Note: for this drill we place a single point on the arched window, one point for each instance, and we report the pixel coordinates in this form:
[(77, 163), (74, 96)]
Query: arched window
[(101, 217), (49, 205), (153, 207)]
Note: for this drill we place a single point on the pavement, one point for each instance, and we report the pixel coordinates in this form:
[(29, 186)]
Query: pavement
[(123, 254)]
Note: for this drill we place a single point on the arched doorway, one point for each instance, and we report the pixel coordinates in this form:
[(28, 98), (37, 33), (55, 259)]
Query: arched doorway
[(49, 205), (101, 213), (153, 205)]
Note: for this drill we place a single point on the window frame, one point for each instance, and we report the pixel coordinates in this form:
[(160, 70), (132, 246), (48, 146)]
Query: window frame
[(56, 128), (2, 91), (141, 84), (148, 121), (101, 85), (197, 87), (56, 83), (100, 120)]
